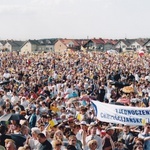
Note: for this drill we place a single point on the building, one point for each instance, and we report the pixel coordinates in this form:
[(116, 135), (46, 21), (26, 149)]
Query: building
[(95, 45), (138, 44), (34, 46), (63, 45), (109, 44), (124, 45), (2, 43), (12, 45), (146, 46)]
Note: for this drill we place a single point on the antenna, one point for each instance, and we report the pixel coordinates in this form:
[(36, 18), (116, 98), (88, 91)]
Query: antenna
[(125, 36)]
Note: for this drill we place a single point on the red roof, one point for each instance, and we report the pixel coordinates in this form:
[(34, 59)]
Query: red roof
[(110, 41), (67, 41), (98, 41)]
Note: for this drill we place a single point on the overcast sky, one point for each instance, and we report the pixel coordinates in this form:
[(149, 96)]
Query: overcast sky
[(36, 19)]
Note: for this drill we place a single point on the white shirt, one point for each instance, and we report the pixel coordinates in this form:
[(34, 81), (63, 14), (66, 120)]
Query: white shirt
[(97, 138), (24, 103), (7, 75), (14, 100)]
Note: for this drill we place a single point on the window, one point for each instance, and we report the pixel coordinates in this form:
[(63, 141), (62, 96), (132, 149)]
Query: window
[(70, 45), (41, 42), (48, 41)]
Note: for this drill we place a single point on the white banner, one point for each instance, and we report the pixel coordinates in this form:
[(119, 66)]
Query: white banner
[(121, 114)]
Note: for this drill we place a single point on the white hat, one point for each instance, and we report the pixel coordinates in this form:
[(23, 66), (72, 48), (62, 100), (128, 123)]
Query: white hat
[(36, 130), (83, 123)]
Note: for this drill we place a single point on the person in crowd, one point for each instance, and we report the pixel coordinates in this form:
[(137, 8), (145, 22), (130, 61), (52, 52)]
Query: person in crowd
[(127, 138), (33, 118), (62, 85), (108, 143), (72, 142), (92, 145), (10, 144), (57, 145), (93, 136), (145, 135), (3, 136), (44, 143), (32, 140), (138, 147)]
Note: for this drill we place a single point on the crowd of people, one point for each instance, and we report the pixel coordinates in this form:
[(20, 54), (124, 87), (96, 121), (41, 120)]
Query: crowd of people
[(45, 100)]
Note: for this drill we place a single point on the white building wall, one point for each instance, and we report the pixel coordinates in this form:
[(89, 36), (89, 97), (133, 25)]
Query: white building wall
[(136, 46), (8, 47), (121, 45), (27, 48), (1, 46)]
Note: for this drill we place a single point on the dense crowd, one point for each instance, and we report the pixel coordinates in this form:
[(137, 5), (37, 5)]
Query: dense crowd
[(45, 100)]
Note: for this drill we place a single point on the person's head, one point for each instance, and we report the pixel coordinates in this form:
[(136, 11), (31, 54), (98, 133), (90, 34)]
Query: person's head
[(17, 127), (126, 129), (92, 144), (83, 110), (35, 131), (3, 129), (93, 129), (41, 126), (27, 147), (72, 140), (147, 128), (67, 131), (61, 127), (139, 141), (41, 138), (21, 148), (83, 125), (57, 144), (10, 144), (14, 122), (138, 147), (110, 131), (58, 135), (25, 130), (44, 118), (76, 128)]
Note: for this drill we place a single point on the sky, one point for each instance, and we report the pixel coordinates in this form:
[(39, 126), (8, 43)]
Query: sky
[(37, 19)]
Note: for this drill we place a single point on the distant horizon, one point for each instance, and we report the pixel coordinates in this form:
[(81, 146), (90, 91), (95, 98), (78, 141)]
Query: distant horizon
[(70, 38), (76, 19)]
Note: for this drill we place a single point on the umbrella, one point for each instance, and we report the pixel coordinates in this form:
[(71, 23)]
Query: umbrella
[(117, 103), (85, 97), (72, 95), (112, 51), (128, 89), (7, 117), (119, 84), (123, 100), (4, 82), (71, 100), (19, 139)]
